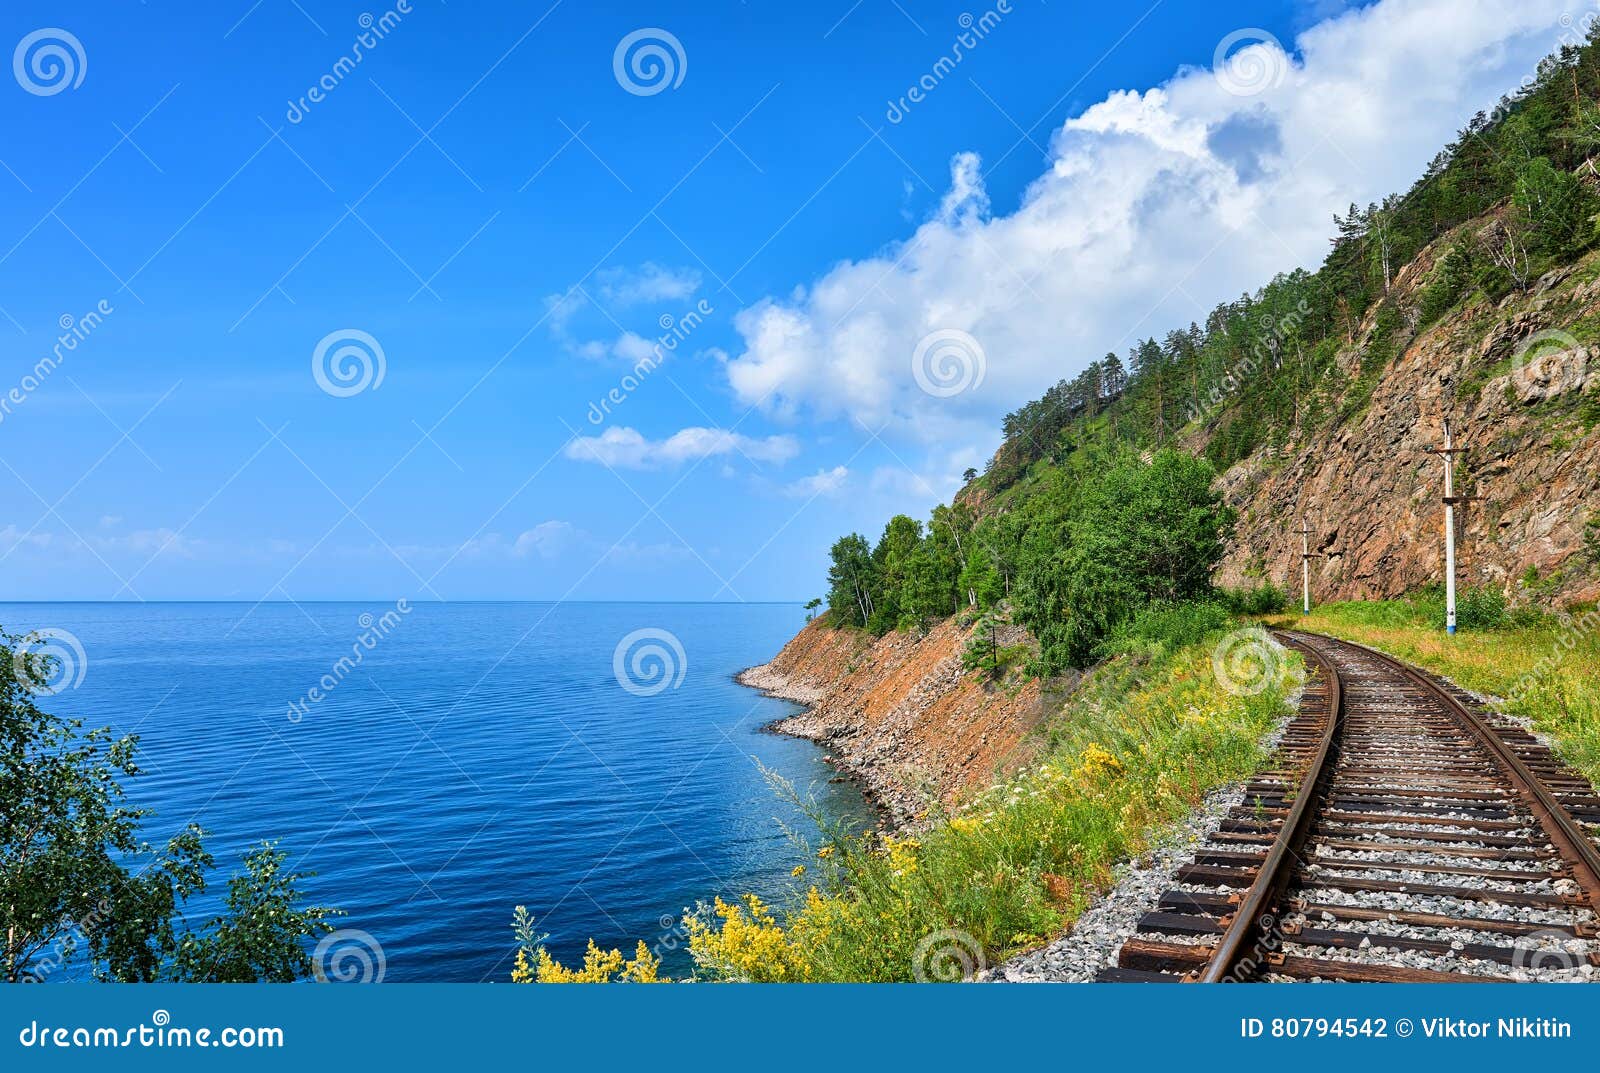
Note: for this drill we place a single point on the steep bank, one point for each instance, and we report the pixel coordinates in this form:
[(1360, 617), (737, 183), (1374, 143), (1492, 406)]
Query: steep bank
[(898, 714)]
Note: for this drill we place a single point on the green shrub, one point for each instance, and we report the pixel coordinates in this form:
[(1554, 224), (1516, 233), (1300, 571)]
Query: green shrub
[(1264, 599), (1481, 607), (1170, 626), (1448, 281), (1478, 607)]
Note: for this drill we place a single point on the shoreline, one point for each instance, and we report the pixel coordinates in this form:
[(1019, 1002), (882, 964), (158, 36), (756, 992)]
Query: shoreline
[(884, 795), (897, 714)]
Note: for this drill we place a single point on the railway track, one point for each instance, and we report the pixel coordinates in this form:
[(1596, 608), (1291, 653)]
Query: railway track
[(1402, 833)]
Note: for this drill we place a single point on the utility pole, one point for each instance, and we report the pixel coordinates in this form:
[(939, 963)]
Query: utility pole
[(1306, 556), (1449, 452)]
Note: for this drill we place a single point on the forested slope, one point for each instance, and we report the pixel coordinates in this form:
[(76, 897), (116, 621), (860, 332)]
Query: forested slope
[(1135, 483)]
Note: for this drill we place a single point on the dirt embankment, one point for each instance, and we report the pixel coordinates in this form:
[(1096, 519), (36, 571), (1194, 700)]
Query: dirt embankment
[(899, 715)]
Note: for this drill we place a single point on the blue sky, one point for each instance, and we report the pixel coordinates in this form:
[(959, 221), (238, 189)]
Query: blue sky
[(484, 198)]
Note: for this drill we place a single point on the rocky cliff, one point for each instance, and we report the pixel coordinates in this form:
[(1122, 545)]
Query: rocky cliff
[(1519, 382), (898, 714)]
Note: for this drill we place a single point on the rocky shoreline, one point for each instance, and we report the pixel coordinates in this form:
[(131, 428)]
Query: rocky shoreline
[(898, 716), (879, 790)]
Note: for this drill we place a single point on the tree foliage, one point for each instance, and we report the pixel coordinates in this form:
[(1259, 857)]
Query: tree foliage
[(1075, 559), (79, 884)]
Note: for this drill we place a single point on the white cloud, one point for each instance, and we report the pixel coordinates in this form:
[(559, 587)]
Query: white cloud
[(648, 283), (1156, 206), (546, 540), (137, 547), (906, 484), (13, 537), (619, 289), (633, 348), (627, 448), (561, 308), (630, 553), (630, 347), (967, 199), (154, 542), (552, 542), (821, 483)]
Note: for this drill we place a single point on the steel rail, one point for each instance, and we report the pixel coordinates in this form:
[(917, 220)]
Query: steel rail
[(1577, 849), (1250, 918)]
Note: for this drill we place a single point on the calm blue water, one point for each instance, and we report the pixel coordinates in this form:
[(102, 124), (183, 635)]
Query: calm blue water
[(480, 756)]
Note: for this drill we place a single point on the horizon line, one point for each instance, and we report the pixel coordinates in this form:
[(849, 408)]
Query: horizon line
[(383, 599)]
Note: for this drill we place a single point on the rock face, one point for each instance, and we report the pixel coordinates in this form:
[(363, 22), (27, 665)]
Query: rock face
[(898, 713), (1517, 383)]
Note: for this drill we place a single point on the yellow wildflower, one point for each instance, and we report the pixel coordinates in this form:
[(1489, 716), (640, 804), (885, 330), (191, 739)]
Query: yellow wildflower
[(748, 944), (599, 967), (1096, 763)]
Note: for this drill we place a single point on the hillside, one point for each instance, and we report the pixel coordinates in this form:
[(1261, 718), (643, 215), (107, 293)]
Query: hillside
[(1139, 484), (1143, 488), (1517, 382)]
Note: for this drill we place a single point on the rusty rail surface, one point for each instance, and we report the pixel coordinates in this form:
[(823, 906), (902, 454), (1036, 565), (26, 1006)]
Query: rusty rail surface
[(1559, 826), (1251, 918), (1401, 834)]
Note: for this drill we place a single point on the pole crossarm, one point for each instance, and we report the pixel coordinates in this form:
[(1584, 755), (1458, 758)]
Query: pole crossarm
[(1306, 555)]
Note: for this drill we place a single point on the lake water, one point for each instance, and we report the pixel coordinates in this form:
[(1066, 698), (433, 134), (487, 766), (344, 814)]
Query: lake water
[(477, 756)]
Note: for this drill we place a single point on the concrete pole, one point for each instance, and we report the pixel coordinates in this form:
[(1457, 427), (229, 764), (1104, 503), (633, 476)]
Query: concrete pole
[(1305, 568), (1449, 533), (1305, 565)]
